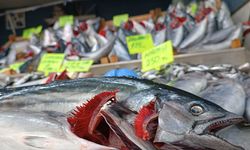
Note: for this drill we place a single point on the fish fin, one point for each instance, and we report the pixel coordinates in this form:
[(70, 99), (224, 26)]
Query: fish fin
[(142, 119), (85, 118)]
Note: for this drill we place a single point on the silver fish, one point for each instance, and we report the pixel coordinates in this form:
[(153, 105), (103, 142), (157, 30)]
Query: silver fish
[(192, 82), (121, 51), (177, 36), (219, 36), (160, 37), (237, 135), (103, 51), (195, 36), (228, 94), (25, 130), (224, 17), (192, 122)]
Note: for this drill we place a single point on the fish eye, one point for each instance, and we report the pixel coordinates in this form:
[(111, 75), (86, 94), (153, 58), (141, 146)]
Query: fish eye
[(196, 109)]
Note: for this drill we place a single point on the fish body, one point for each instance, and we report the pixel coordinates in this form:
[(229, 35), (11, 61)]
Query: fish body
[(195, 120), (63, 96), (192, 82), (237, 135), (228, 94), (25, 130), (195, 36), (103, 51)]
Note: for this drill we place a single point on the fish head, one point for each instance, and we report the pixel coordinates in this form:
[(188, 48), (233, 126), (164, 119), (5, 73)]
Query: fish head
[(192, 121)]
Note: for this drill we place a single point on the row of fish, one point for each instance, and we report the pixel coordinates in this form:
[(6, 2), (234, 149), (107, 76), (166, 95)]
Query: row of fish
[(115, 113), (210, 28)]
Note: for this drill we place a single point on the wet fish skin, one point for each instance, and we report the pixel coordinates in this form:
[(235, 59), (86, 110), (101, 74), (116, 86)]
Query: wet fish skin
[(218, 36), (178, 36), (63, 96), (237, 135), (224, 19), (228, 94), (195, 36), (160, 37), (192, 82), (177, 124), (25, 130), (121, 51), (103, 51)]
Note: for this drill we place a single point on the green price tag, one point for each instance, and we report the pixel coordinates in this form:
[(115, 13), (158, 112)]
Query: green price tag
[(139, 43), (16, 66), (158, 56), (51, 62), (78, 66), (63, 20), (118, 19), (27, 33)]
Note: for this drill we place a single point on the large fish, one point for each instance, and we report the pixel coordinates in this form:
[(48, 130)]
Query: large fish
[(228, 94), (197, 118), (184, 121), (63, 96), (237, 135), (192, 123), (25, 130), (192, 82)]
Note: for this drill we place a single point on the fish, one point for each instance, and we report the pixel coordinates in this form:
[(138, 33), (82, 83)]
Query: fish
[(228, 94), (197, 120), (63, 96), (245, 82), (195, 36), (177, 36), (160, 37), (218, 36), (224, 19), (192, 82), (192, 125), (237, 135), (40, 130), (121, 51), (103, 51)]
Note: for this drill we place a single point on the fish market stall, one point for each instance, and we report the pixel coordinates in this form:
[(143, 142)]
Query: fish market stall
[(166, 80)]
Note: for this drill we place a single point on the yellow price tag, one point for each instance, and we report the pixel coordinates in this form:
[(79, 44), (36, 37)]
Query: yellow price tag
[(119, 19), (63, 20), (16, 66), (78, 66), (194, 8), (51, 62), (27, 33), (158, 56), (4, 69), (139, 43)]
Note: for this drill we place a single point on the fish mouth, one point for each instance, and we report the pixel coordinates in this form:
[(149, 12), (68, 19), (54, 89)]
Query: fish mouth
[(220, 124), (212, 126)]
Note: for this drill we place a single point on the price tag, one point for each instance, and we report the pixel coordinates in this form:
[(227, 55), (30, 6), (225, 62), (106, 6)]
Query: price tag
[(158, 56), (139, 43), (78, 66), (63, 20), (27, 33), (119, 19), (51, 62), (16, 66)]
